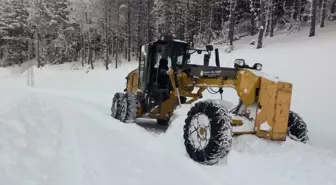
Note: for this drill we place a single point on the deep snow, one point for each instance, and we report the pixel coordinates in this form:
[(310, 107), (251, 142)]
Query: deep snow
[(60, 132)]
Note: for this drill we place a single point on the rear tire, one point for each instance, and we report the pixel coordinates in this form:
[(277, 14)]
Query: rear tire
[(220, 133), (115, 108), (297, 128), (128, 108)]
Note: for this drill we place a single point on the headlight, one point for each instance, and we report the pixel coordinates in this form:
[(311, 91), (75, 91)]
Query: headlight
[(258, 66), (239, 62)]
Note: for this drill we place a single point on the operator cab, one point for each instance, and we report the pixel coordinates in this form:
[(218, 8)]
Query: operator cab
[(155, 61)]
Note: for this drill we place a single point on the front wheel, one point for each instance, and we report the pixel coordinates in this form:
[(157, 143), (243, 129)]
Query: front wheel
[(128, 108), (116, 102), (208, 133)]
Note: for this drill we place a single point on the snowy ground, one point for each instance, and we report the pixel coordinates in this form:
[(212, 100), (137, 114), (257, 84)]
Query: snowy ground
[(60, 132)]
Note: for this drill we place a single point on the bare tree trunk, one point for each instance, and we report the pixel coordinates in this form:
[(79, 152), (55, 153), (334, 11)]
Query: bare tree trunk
[(299, 16), (125, 46), (252, 10), (232, 21), (210, 19), (139, 29), (175, 17), (222, 15), (200, 19), (292, 17), (312, 18), (268, 20), (83, 49), (93, 58), (88, 50), (148, 21), (83, 55), (38, 37), (299, 11), (89, 40), (181, 30), (90, 60), (262, 25), (323, 13), (333, 8), (106, 36), (186, 27), (293, 10), (273, 7), (117, 35), (112, 44), (129, 30), (38, 49)]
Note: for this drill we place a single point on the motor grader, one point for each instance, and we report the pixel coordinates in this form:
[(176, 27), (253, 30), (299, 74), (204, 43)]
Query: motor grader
[(165, 79)]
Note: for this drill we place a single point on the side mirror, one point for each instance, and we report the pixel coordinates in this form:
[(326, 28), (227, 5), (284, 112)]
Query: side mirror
[(239, 63), (206, 60), (209, 47), (199, 52), (258, 66)]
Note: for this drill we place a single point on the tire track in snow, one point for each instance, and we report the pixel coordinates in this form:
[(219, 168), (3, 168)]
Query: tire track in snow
[(99, 144), (29, 142), (106, 147)]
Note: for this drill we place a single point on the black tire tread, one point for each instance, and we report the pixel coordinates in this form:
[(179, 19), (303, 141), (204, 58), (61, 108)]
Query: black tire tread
[(131, 113), (221, 133), (116, 100), (297, 128)]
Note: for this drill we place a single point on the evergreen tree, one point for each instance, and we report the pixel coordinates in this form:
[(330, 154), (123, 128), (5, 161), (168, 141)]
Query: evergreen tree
[(114, 30), (14, 31), (51, 22)]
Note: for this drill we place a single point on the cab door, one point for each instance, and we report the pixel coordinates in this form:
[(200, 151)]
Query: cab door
[(143, 66)]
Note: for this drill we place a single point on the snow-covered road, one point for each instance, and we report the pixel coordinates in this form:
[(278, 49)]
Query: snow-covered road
[(49, 138)]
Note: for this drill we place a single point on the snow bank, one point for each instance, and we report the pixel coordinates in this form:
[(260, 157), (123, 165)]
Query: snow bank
[(258, 160), (29, 139), (3, 72), (47, 139)]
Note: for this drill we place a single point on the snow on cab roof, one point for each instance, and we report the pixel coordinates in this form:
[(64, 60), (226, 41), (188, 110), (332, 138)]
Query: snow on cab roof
[(177, 40)]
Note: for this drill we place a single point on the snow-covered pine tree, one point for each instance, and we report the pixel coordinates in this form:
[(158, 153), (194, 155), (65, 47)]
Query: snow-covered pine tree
[(51, 20), (93, 30), (3, 33), (14, 31)]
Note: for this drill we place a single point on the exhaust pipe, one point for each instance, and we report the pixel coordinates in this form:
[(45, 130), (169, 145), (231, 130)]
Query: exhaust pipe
[(217, 57)]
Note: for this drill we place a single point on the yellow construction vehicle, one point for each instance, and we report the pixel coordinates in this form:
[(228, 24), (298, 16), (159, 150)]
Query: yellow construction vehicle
[(166, 79)]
